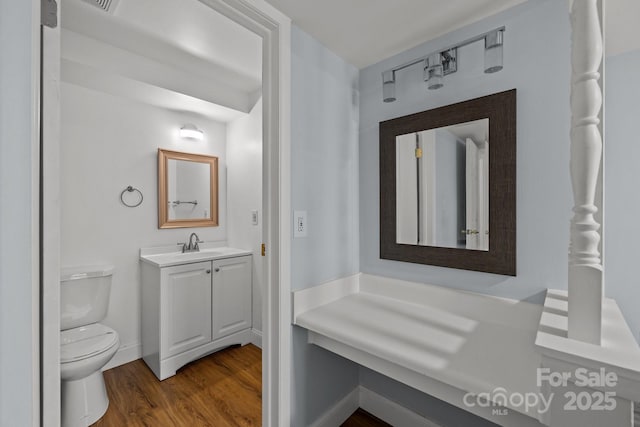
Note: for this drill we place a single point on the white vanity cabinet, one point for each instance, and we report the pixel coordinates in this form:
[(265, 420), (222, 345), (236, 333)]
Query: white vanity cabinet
[(185, 307), (191, 309), (231, 289)]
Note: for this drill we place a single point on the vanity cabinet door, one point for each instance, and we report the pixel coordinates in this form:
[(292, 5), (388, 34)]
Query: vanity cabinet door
[(231, 295), (186, 307)]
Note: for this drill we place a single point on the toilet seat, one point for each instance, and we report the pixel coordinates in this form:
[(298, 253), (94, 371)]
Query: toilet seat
[(86, 341)]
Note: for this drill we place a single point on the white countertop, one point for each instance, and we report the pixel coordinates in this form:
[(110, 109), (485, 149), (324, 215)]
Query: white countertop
[(473, 342), (168, 256)]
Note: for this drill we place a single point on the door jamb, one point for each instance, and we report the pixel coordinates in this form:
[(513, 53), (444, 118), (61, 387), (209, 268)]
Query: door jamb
[(275, 30)]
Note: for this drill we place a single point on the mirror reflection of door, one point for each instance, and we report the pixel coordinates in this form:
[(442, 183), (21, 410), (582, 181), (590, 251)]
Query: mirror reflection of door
[(477, 195), (442, 187)]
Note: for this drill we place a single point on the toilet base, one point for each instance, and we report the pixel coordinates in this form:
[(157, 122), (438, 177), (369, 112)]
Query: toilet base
[(84, 401)]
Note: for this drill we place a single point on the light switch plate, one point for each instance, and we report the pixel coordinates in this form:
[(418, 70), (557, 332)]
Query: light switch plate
[(300, 225)]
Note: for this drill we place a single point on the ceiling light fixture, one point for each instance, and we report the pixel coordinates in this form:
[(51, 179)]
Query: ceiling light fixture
[(439, 64), (190, 131)]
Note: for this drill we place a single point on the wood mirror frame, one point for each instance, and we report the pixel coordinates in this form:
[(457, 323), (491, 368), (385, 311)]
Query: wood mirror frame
[(500, 109), (163, 188)]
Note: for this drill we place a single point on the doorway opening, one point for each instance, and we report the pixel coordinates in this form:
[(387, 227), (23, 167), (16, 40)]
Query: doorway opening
[(137, 90)]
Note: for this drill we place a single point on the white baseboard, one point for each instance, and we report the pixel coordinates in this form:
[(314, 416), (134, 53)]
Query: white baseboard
[(391, 412), (341, 411), (375, 404), (256, 338), (125, 354)]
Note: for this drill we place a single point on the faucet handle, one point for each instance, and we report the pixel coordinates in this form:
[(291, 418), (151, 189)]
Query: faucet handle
[(184, 246)]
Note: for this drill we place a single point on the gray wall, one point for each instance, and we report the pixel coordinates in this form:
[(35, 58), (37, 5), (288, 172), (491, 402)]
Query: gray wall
[(18, 237), (543, 185), (536, 63), (324, 182), (622, 197)]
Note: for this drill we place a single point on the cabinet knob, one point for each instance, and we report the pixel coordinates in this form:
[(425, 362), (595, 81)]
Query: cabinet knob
[(208, 271), (217, 269)]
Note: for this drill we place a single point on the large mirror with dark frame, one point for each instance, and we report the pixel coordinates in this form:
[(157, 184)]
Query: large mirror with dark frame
[(448, 186), (187, 190)]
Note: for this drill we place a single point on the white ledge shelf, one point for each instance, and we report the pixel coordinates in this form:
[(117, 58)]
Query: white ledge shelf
[(618, 352), (441, 341)]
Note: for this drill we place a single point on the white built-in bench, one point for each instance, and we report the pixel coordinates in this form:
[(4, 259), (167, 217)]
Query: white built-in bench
[(441, 341)]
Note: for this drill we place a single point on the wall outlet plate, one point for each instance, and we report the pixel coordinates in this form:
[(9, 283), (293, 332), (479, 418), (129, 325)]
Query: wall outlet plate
[(254, 217), (300, 225)]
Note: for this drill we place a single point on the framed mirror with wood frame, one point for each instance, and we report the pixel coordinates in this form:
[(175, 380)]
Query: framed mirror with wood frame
[(468, 220), (187, 190)]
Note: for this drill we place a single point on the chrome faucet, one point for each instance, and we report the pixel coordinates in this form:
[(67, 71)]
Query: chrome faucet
[(192, 246)]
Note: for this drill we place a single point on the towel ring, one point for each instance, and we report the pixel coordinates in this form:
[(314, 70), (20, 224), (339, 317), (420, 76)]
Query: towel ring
[(131, 189)]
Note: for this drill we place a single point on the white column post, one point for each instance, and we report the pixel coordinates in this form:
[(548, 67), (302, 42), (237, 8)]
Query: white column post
[(585, 267)]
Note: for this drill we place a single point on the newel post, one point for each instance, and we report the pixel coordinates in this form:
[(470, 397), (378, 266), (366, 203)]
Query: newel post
[(585, 266)]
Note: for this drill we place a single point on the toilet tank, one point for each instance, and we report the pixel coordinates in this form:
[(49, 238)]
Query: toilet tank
[(84, 295)]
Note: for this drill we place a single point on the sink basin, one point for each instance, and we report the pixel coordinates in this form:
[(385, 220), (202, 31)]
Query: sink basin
[(212, 251), (175, 257)]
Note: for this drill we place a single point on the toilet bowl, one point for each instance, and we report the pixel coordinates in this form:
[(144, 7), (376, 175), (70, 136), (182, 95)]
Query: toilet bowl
[(83, 353), (85, 345)]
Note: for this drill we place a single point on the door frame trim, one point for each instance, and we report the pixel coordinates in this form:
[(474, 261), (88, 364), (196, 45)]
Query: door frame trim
[(275, 30)]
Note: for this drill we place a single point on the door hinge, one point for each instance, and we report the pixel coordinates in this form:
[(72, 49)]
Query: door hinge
[(49, 13), (263, 250), (418, 153)]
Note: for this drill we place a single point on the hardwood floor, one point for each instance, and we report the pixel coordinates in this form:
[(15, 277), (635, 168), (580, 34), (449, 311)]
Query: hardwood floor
[(220, 390), (362, 418), (223, 389)]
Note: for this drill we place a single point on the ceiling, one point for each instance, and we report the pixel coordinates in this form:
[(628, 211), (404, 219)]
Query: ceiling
[(364, 32), (367, 31), (180, 55)]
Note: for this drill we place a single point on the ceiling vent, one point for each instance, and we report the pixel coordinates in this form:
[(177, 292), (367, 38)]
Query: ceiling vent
[(108, 6)]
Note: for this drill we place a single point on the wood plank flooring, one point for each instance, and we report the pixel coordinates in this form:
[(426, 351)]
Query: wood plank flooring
[(223, 389), (362, 418)]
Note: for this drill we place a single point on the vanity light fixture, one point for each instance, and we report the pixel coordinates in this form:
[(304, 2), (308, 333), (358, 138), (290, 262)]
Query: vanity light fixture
[(190, 131), (493, 51), (433, 71), (389, 86), (439, 64)]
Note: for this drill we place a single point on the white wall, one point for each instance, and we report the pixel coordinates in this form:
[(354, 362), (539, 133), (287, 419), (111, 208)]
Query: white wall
[(537, 35), (244, 194), (622, 198), (19, 40), (324, 182), (107, 144)]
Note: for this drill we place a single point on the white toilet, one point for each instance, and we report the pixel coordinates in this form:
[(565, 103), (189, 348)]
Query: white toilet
[(85, 345)]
